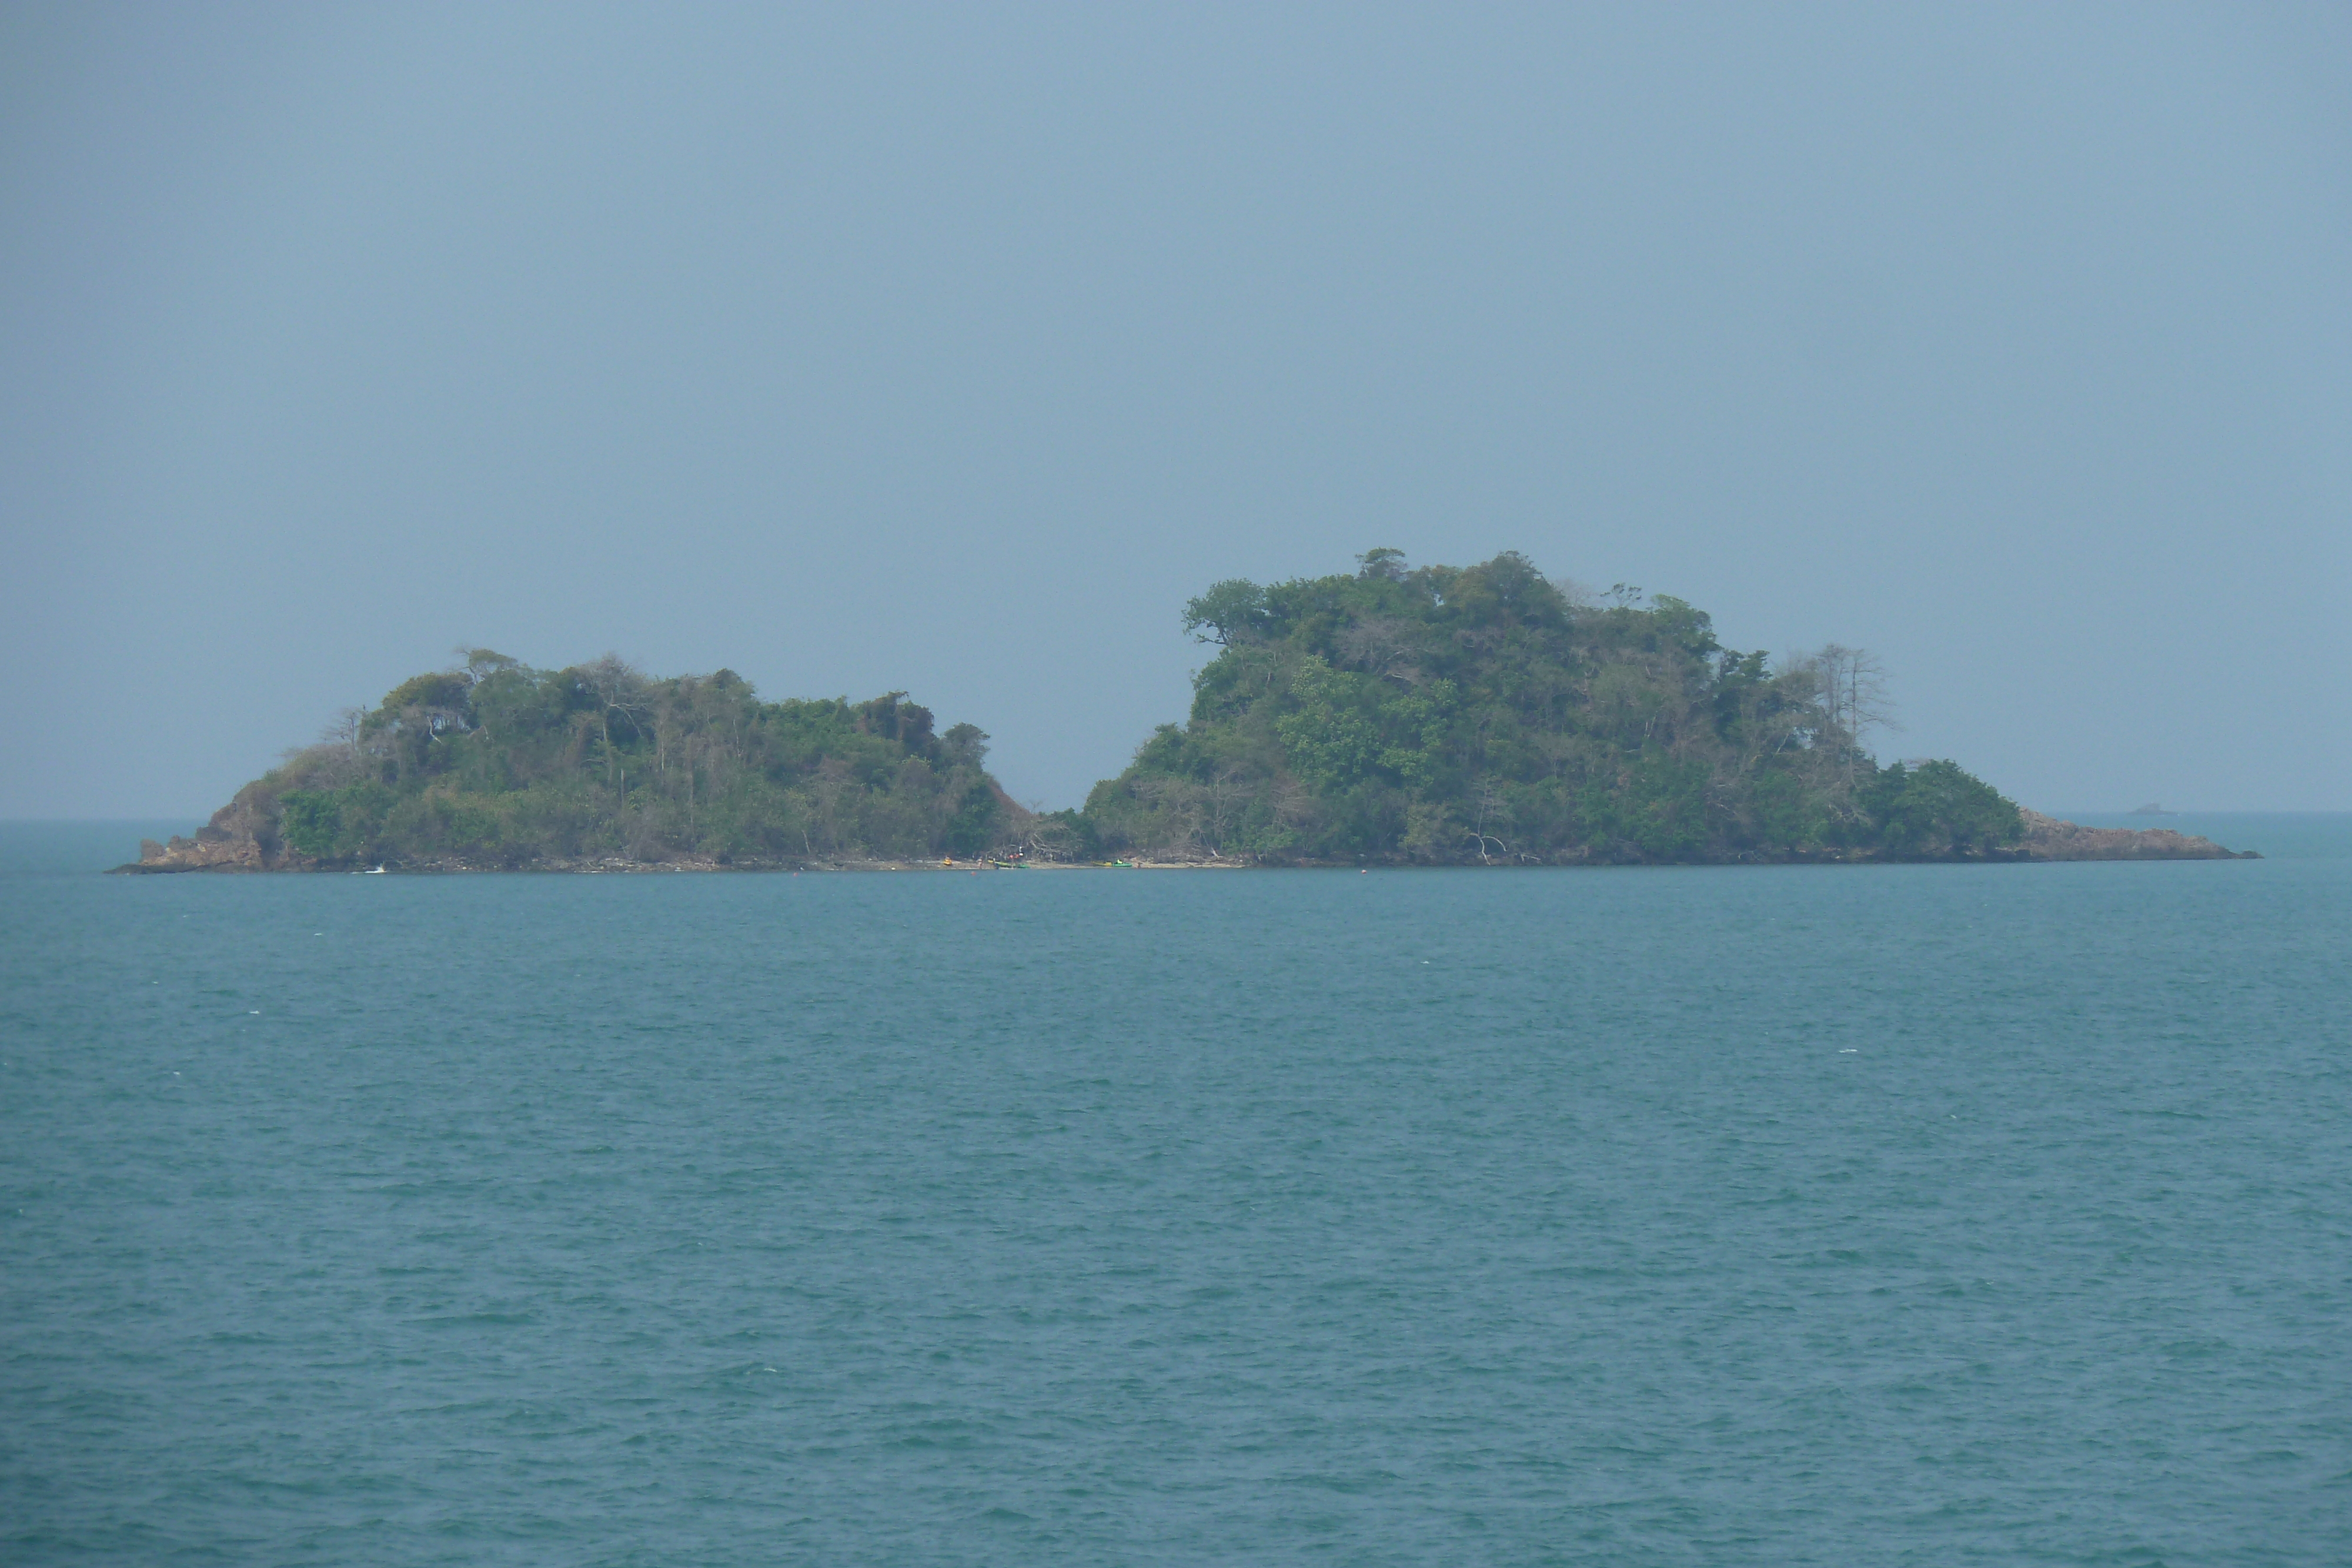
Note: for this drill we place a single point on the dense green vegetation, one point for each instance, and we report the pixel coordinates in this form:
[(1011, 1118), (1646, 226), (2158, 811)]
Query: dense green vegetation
[(1438, 714), (496, 764), (1481, 714)]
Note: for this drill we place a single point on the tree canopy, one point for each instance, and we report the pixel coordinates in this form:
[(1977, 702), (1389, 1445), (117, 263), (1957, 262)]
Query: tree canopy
[(499, 764), (1483, 714), (1478, 714)]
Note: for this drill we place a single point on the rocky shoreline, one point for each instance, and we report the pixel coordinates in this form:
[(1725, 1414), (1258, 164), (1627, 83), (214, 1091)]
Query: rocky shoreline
[(2049, 839), (235, 847)]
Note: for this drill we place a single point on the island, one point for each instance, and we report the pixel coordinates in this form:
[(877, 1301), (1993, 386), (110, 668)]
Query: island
[(1478, 716)]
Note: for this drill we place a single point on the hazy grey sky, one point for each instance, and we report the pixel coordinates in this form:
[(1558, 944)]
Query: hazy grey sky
[(953, 349)]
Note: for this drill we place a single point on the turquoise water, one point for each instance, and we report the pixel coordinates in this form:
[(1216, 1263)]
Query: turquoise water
[(1900, 1215)]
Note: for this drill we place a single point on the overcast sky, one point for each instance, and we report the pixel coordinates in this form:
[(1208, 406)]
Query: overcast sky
[(954, 349)]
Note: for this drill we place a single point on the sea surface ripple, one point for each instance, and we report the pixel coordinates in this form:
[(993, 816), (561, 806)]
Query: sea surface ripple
[(1875, 1214)]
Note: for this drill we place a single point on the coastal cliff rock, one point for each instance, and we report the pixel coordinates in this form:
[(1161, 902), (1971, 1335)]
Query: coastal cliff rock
[(2049, 839), (242, 836)]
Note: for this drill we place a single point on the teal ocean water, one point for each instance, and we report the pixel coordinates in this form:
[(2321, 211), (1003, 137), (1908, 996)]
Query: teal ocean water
[(1874, 1214)]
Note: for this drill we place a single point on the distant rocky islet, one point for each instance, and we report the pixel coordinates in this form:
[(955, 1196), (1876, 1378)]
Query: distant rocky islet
[(1438, 716)]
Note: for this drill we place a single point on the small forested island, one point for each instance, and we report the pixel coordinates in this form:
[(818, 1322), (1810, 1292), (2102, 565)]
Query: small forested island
[(1438, 716)]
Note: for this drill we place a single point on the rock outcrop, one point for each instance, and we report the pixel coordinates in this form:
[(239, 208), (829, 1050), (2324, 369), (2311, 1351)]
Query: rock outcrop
[(242, 836), (2048, 839)]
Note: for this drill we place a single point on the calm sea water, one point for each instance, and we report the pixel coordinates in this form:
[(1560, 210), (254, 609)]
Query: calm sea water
[(1904, 1214)]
